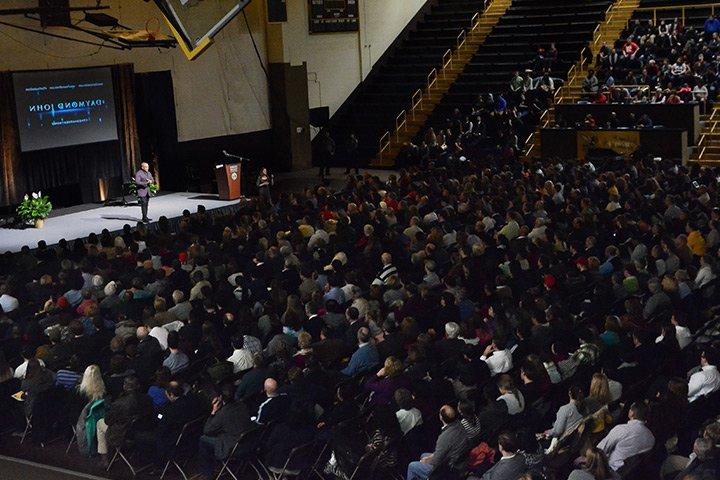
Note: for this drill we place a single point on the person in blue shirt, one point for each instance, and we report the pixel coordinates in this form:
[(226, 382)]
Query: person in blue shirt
[(712, 25), (365, 357)]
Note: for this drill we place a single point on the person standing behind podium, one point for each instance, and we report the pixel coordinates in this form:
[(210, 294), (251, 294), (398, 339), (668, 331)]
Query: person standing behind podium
[(264, 181), (143, 179)]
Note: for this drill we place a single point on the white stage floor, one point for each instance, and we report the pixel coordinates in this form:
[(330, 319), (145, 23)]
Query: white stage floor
[(81, 221)]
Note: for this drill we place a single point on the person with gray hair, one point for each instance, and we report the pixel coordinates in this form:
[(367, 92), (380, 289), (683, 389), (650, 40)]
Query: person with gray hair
[(658, 300), (450, 346), (703, 462), (181, 309)]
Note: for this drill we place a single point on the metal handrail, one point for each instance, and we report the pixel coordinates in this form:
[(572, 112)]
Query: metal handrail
[(417, 100), (384, 143), (461, 38), (682, 9), (400, 122), (447, 62), (573, 73), (432, 78)]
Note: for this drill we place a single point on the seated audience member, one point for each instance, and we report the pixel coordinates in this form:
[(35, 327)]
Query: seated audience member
[(177, 360), (121, 413), (228, 421), (274, 407), (511, 463), (629, 439), (594, 467), (365, 357), (497, 357), (450, 448), (707, 380), (408, 415)]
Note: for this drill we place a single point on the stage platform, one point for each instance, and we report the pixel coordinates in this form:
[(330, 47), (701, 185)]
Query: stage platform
[(82, 220)]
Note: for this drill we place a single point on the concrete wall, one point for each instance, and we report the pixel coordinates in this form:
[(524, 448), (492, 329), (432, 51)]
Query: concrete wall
[(338, 62)]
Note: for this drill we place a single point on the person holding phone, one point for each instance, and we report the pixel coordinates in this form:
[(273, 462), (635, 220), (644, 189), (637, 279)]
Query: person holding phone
[(228, 421)]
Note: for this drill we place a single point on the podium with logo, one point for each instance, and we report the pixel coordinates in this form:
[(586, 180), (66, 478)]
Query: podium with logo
[(228, 178)]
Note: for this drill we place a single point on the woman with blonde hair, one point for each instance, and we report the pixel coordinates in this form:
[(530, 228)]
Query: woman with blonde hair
[(389, 379), (304, 349), (597, 401), (92, 386)]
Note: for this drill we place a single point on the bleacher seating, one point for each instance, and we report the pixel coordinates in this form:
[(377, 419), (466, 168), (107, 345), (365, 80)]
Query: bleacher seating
[(387, 90)]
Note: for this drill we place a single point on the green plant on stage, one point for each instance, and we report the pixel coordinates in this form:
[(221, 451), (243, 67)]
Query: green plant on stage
[(133, 188), (34, 207)]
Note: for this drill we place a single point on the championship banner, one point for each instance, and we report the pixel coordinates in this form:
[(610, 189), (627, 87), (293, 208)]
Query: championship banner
[(624, 142)]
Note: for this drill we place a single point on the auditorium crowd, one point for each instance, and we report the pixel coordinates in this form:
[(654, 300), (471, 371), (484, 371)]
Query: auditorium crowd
[(495, 317), (666, 62)]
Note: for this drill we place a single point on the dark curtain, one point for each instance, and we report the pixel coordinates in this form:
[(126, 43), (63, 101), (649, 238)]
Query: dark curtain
[(72, 168), (157, 128), (124, 84), (12, 186), (71, 174)]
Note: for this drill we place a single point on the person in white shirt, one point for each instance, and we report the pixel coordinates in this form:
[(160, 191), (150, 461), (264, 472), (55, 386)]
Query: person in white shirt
[(707, 380), (408, 416), (241, 358), (161, 335), (7, 302), (705, 274), (499, 360), (629, 439), (27, 354)]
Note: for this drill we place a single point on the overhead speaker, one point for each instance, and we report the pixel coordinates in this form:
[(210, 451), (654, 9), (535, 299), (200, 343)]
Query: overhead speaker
[(54, 13)]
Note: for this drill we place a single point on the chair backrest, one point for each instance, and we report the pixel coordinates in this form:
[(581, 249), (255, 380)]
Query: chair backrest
[(301, 455), (191, 429)]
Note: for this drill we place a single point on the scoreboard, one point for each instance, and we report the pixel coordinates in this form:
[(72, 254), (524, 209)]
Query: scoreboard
[(327, 16)]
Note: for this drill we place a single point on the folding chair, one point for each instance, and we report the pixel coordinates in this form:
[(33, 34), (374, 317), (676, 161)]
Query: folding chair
[(28, 428), (127, 444), (274, 473), (73, 439), (250, 437), (191, 430)]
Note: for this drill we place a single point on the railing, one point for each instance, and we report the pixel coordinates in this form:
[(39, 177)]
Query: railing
[(675, 8), (575, 70), (432, 78), (461, 38), (705, 136), (417, 101), (400, 122), (447, 62), (384, 144)]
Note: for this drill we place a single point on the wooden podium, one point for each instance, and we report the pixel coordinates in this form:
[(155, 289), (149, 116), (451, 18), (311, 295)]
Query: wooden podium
[(228, 178)]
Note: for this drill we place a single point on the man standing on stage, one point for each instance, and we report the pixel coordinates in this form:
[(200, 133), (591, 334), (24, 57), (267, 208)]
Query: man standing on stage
[(143, 179)]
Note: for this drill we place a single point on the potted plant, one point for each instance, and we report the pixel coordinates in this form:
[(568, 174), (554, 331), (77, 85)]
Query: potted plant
[(133, 188), (35, 208)]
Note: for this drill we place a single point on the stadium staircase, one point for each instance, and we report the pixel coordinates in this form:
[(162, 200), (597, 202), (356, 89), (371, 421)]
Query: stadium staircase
[(432, 43), (616, 20), (423, 102), (512, 45)]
